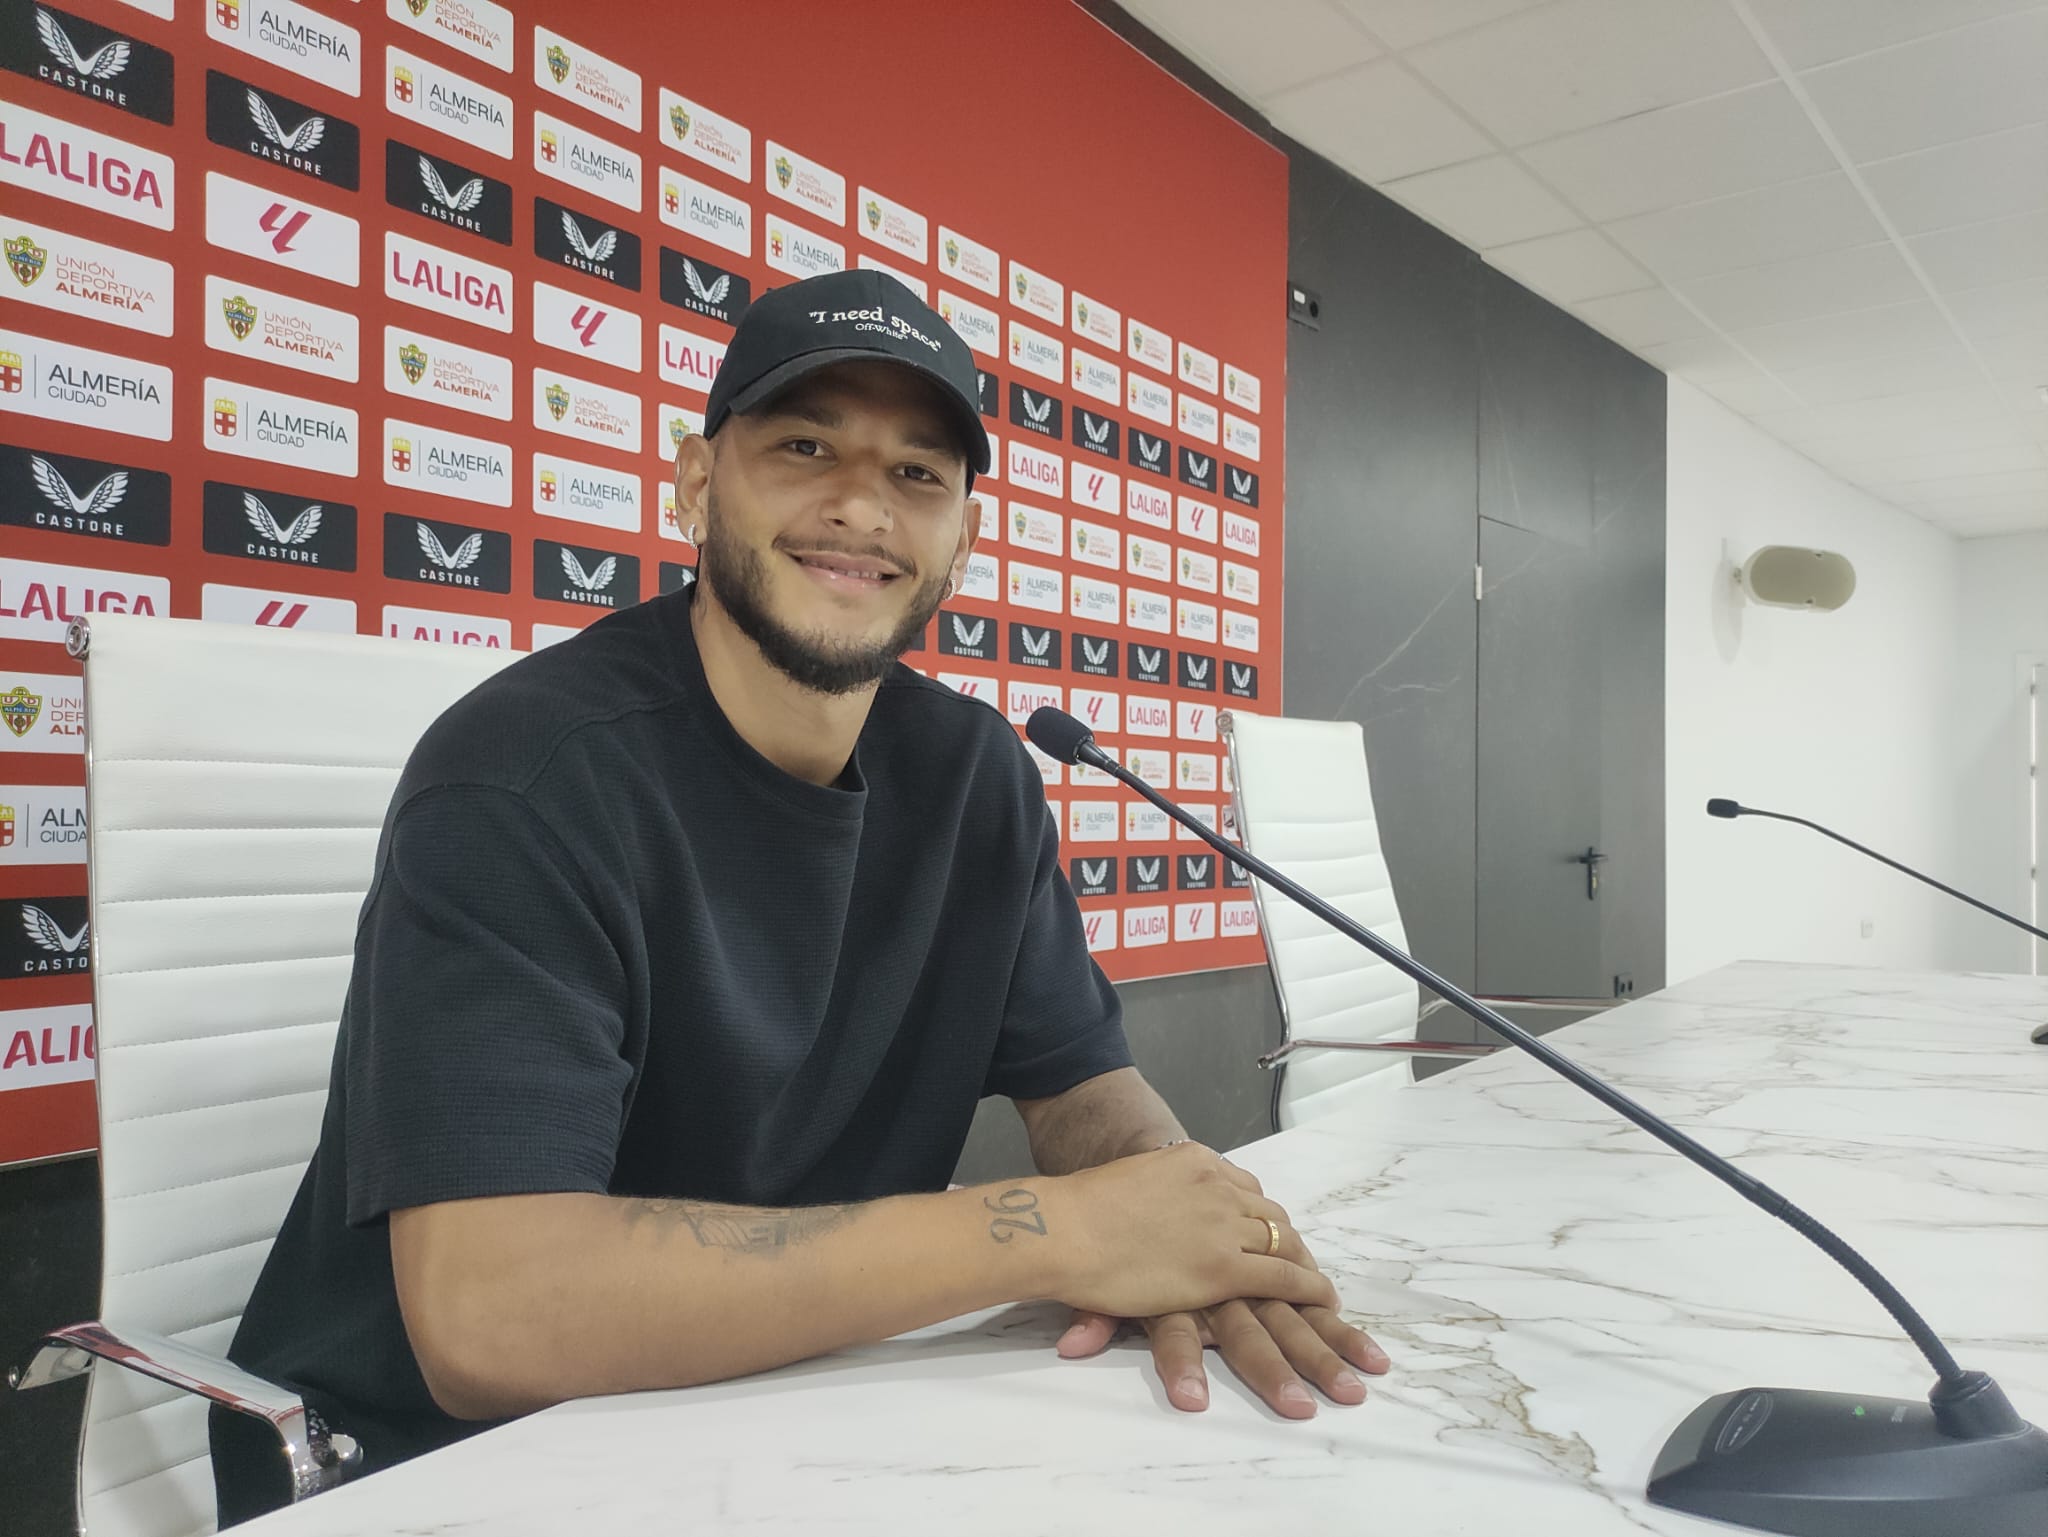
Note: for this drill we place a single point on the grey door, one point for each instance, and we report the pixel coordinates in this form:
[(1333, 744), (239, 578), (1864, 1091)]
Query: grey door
[(1569, 729)]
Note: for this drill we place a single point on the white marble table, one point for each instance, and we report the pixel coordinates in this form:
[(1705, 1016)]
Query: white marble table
[(1556, 1290)]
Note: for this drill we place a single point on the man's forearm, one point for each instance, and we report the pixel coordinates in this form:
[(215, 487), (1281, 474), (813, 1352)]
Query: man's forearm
[(517, 1302), (1110, 1116)]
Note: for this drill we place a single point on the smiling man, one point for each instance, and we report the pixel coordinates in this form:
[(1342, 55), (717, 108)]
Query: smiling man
[(693, 943)]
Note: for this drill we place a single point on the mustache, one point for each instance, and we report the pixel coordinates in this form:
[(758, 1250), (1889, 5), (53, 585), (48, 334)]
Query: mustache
[(875, 552)]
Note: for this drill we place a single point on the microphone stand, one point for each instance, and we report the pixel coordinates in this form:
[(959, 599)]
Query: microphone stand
[(1791, 1460)]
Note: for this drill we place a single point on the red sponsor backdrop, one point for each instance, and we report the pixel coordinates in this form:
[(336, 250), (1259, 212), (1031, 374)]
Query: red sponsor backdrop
[(339, 359)]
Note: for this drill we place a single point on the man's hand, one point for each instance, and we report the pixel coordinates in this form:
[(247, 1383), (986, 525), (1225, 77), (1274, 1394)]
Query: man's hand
[(1275, 1348)]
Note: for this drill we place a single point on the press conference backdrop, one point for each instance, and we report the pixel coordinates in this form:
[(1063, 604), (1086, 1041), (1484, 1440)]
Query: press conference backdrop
[(388, 321)]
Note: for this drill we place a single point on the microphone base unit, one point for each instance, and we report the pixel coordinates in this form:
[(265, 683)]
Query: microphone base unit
[(1814, 1464)]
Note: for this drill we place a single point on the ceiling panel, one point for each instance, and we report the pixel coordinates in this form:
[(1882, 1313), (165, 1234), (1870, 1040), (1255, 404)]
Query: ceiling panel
[(1811, 32), (1703, 149), (1404, 23), (1978, 255), (1378, 122), (1579, 264), (1641, 318), (1576, 63), (1954, 85), (1830, 214), (1750, 229), (1965, 182), (1827, 284), (1883, 332), (1262, 49), (1485, 202)]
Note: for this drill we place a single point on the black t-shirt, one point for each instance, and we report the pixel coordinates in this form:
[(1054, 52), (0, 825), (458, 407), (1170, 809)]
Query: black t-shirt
[(608, 947)]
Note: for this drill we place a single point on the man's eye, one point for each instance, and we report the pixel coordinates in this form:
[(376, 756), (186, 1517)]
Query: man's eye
[(810, 448), (920, 472)]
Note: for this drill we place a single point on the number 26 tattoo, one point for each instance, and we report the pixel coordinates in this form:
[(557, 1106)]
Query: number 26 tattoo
[(1019, 1213)]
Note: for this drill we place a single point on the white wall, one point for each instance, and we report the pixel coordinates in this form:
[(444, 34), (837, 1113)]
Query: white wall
[(1844, 718), (2004, 619)]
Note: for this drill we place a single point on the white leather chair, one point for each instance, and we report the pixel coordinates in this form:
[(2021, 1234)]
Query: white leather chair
[(236, 784), (1303, 798)]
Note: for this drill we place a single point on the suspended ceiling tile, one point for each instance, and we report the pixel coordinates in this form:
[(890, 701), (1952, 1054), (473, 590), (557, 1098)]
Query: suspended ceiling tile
[(1812, 32), (1703, 149), (1485, 203), (1262, 49), (1572, 64), (1978, 255), (1965, 182), (1869, 379), (1750, 229), (1570, 267), (1404, 23), (1378, 122), (1834, 281), (1886, 331), (1642, 318), (1955, 85)]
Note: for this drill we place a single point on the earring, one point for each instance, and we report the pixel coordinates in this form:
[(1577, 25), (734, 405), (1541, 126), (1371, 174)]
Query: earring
[(690, 536), (949, 591)]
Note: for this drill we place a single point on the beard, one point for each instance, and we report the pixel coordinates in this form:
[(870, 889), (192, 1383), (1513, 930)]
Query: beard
[(819, 661)]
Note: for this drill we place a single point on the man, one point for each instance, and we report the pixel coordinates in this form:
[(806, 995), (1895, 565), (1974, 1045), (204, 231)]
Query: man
[(692, 944)]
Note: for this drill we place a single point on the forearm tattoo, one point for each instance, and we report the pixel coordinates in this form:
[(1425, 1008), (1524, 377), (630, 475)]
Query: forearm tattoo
[(749, 1229), (1017, 1212)]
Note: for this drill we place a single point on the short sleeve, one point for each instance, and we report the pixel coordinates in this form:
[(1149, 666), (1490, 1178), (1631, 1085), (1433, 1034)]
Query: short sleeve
[(485, 1024), (1062, 1022)]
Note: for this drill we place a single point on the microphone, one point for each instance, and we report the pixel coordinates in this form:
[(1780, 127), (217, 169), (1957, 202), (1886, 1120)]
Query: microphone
[(1732, 809), (1791, 1460), (1728, 809)]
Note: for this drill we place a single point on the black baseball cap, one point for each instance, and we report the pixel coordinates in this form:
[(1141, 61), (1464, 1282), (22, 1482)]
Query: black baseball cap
[(840, 317)]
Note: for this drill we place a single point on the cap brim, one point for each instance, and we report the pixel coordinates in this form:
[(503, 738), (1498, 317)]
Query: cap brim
[(967, 417)]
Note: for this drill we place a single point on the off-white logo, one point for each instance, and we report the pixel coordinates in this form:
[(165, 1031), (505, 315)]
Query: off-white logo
[(1036, 642), (301, 528), (1198, 869), (1198, 667), (1151, 451), (1149, 661), (1240, 677), (100, 500), (1095, 872), (600, 249), (1149, 869), (874, 319), (458, 200), (1240, 483), (1037, 410), (968, 635), (103, 63), (1097, 652), (1097, 428), (1198, 466), (461, 558)]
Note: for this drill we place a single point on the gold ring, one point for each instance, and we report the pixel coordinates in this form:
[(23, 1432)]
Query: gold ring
[(1273, 1245)]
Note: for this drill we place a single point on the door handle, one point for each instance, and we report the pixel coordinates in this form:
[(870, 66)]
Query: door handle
[(1592, 859)]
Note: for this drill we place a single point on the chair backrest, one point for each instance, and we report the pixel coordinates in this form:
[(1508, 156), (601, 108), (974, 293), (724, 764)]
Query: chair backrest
[(1304, 805), (236, 783)]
